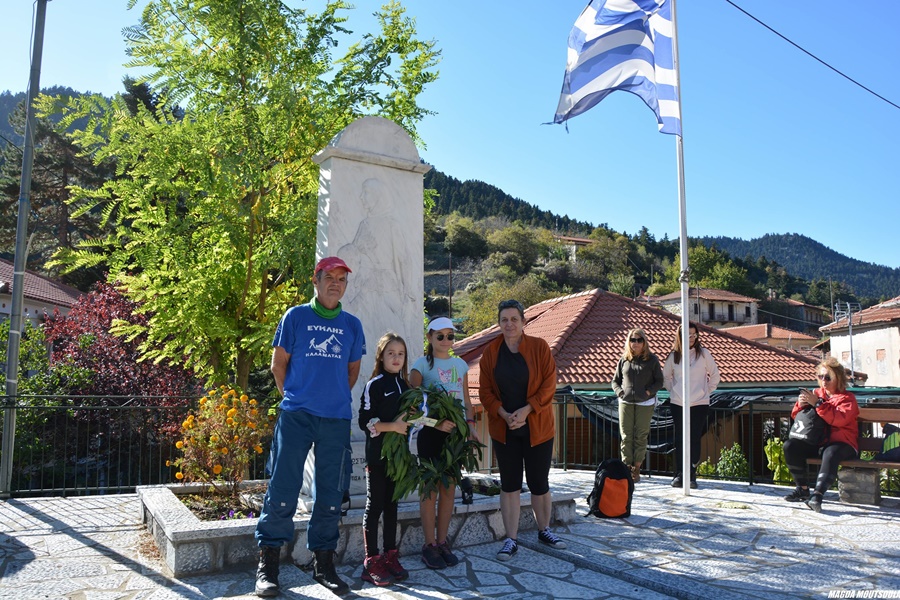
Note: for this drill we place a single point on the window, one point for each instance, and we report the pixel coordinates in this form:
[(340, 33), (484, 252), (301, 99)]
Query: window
[(712, 311), (747, 311)]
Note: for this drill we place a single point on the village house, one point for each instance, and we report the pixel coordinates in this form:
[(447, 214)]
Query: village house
[(874, 344), (41, 294), (716, 308), (779, 337)]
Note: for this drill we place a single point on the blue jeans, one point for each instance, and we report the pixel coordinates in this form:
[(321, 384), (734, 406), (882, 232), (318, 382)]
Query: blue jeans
[(295, 433)]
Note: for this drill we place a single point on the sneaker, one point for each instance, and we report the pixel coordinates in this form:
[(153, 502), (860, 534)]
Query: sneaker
[(447, 555), (510, 547), (431, 556), (548, 538), (392, 562), (815, 502), (375, 571), (798, 495), (677, 481), (693, 484)]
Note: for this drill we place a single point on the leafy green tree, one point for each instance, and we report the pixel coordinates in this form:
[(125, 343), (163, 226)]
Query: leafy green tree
[(519, 246), (215, 212), (482, 311), (463, 239), (622, 284)]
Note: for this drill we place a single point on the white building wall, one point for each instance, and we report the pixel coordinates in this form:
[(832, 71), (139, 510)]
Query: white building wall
[(876, 353)]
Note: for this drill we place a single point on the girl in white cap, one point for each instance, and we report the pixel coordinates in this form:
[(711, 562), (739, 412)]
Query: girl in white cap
[(437, 369)]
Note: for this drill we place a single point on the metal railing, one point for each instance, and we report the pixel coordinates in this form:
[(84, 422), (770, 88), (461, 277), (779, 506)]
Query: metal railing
[(77, 445), (90, 445)]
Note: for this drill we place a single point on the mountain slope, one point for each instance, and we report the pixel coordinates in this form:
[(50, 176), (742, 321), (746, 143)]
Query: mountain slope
[(809, 259)]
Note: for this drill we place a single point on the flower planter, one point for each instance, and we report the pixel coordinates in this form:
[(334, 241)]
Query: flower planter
[(190, 546)]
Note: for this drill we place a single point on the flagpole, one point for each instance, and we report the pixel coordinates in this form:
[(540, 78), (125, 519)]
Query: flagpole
[(684, 278)]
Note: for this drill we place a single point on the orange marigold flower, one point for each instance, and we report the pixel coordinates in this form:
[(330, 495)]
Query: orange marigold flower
[(253, 402), (217, 469), (185, 424), (232, 412), (214, 438), (254, 412), (224, 450), (251, 424), (258, 449), (244, 397), (236, 438), (168, 463), (179, 444), (229, 421), (179, 475)]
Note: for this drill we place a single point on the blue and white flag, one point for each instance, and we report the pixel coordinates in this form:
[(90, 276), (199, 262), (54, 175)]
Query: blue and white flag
[(622, 45)]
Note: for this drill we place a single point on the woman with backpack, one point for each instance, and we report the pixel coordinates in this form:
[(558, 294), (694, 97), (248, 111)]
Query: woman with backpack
[(704, 378), (839, 409), (637, 380)]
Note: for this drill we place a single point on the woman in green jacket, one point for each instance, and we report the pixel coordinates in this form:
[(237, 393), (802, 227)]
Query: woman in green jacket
[(637, 380)]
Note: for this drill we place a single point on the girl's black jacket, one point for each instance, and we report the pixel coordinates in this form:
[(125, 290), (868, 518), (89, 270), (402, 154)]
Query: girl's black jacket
[(380, 400)]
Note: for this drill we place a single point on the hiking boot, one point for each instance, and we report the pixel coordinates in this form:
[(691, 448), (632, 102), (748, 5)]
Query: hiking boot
[(798, 495), (677, 481), (510, 547), (815, 502), (392, 563), (375, 571), (548, 538), (447, 555), (324, 573), (267, 571), (431, 556)]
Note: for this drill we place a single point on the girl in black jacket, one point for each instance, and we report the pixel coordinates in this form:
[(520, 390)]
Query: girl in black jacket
[(378, 410)]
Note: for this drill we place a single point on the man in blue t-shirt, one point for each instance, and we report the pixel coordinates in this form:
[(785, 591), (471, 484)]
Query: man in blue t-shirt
[(317, 351)]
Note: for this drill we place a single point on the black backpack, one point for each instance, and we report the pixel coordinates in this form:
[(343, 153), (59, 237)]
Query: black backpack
[(613, 489), (809, 427)]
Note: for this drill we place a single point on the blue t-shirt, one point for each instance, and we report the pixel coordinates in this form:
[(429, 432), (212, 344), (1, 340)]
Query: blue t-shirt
[(447, 373), (321, 351)]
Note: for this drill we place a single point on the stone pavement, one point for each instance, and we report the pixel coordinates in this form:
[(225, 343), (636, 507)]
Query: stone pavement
[(727, 540)]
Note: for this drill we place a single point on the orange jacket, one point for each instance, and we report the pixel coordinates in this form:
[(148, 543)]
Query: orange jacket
[(541, 387), (839, 411)]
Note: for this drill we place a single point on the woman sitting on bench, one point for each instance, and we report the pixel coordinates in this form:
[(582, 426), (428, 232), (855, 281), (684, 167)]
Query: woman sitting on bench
[(839, 409)]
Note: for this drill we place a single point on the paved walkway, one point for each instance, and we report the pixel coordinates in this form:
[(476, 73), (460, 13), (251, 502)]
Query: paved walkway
[(725, 541)]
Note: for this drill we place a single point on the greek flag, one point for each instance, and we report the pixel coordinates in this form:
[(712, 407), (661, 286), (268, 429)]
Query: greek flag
[(622, 45)]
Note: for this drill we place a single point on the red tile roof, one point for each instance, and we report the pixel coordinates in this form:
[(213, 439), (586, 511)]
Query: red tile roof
[(880, 313), (37, 287), (706, 294), (766, 331), (586, 332)]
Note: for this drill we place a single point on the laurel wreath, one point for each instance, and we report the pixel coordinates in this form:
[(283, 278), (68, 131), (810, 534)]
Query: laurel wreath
[(459, 452)]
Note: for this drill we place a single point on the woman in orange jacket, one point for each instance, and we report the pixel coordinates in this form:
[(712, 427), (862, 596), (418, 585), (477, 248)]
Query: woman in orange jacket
[(516, 388)]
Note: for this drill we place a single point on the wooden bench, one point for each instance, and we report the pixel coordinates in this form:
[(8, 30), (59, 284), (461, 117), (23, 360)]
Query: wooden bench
[(859, 481)]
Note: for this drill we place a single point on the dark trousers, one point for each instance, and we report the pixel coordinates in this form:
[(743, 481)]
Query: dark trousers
[(698, 428), (797, 451), (379, 501)]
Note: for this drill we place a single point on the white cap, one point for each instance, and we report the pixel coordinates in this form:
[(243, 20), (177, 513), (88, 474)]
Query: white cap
[(441, 323)]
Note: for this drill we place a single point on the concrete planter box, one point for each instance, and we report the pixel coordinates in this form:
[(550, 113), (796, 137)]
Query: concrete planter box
[(190, 546)]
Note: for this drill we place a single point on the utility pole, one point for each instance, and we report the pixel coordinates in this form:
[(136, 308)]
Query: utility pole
[(15, 320), (450, 284), (846, 309)]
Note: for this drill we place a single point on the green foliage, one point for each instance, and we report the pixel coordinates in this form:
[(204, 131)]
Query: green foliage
[(622, 284), (482, 312), (215, 212), (463, 239), (35, 376), (775, 454), (427, 475), (733, 463)]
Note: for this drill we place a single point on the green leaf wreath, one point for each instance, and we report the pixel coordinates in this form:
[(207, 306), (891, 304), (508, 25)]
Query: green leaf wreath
[(459, 451)]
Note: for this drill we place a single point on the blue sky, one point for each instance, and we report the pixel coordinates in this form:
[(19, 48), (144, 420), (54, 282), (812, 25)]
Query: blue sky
[(774, 142)]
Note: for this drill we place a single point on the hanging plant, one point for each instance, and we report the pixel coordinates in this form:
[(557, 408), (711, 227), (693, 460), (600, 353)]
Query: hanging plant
[(459, 452)]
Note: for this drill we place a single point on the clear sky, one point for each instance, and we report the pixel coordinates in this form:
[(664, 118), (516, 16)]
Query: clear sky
[(774, 142)]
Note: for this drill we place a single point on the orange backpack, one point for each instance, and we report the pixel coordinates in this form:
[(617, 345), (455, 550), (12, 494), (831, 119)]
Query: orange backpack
[(613, 489)]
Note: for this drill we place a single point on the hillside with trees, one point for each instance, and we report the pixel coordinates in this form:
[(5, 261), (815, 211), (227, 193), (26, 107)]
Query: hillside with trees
[(809, 259)]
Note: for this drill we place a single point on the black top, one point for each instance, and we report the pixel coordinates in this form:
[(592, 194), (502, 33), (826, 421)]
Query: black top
[(511, 376), (380, 400)]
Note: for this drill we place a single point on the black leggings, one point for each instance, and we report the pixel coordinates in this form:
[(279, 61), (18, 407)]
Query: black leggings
[(698, 428), (518, 453), (379, 500), (797, 451)]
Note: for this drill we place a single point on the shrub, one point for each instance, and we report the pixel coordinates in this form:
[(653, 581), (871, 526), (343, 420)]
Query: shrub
[(220, 437), (775, 453), (733, 464)]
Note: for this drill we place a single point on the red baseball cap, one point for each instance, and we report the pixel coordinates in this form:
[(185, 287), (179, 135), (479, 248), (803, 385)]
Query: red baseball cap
[(331, 262)]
